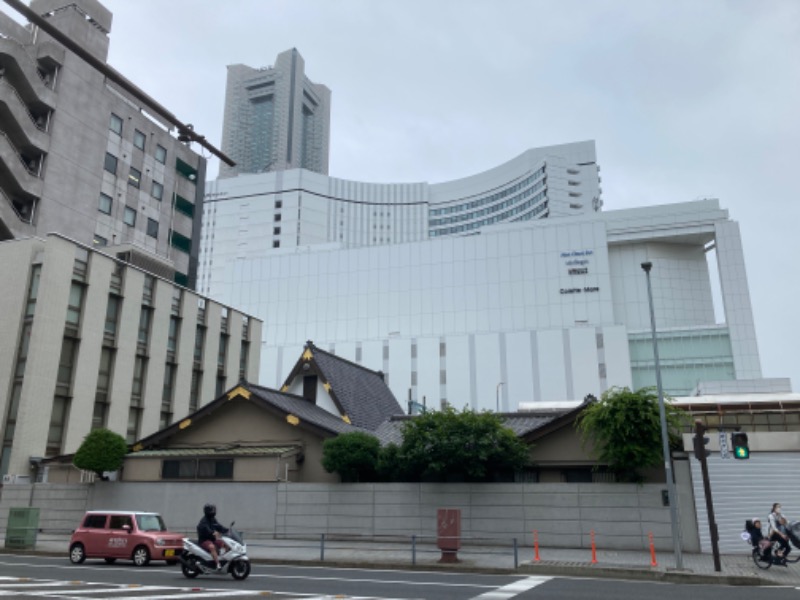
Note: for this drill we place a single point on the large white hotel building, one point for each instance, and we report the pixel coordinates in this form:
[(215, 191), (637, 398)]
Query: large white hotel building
[(505, 287)]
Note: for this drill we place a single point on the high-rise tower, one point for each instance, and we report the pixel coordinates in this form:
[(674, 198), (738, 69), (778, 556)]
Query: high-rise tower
[(275, 118)]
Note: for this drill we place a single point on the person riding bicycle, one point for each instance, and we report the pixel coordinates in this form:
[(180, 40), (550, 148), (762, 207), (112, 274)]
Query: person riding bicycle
[(208, 532), (777, 531)]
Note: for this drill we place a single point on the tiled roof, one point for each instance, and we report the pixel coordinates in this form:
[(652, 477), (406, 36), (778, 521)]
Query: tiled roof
[(391, 431), (362, 393), (223, 451), (302, 409)]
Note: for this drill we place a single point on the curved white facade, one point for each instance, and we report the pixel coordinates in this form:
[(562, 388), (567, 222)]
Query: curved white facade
[(524, 309), (253, 214)]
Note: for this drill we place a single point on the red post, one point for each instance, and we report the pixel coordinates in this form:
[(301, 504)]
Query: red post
[(536, 546), (594, 550), (653, 562)]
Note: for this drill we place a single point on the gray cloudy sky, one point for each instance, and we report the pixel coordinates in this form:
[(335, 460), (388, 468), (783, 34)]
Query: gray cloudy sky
[(684, 99)]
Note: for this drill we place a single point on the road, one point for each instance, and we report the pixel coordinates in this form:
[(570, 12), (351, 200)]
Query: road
[(56, 579)]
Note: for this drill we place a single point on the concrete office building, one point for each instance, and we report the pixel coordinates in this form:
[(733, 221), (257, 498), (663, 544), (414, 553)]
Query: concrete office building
[(81, 156), (463, 292), (275, 118), (91, 341)]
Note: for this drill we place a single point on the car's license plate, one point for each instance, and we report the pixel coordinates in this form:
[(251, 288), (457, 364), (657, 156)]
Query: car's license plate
[(169, 552)]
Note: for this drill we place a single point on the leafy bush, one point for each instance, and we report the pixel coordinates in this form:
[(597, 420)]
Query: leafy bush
[(354, 456), (102, 450), (625, 428)]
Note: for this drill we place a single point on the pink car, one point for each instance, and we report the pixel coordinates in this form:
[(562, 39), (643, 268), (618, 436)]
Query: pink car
[(129, 535)]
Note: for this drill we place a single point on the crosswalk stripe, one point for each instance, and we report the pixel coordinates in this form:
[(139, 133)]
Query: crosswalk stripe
[(206, 594), (513, 589)]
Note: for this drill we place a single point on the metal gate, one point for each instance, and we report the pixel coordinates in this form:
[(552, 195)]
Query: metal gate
[(743, 489)]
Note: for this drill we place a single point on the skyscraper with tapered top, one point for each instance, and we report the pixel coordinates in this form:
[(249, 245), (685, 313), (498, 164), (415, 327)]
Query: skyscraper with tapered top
[(275, 119)]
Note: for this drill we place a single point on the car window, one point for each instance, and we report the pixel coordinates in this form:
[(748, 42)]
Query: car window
[(150, 523), (95, 521), (119, 521)]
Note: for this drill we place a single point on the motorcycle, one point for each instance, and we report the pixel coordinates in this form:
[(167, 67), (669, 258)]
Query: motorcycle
[(195, 560)]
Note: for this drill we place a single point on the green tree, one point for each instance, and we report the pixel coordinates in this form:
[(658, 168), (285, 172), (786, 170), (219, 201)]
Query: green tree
[(625, 429), (102, 450), (450, 446), (354, 456)]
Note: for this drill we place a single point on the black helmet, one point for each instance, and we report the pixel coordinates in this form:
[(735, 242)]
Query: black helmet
[(210, 510)]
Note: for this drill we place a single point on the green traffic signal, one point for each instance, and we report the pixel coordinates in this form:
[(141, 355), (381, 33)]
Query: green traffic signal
[(741, 449)]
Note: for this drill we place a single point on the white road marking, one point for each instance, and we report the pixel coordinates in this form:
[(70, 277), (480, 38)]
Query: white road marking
[(512, 589)]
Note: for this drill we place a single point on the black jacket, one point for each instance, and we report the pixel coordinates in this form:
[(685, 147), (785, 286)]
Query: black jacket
[(206, 528)]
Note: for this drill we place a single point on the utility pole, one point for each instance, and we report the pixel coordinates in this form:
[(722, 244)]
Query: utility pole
[(700, 452), (671, 493)]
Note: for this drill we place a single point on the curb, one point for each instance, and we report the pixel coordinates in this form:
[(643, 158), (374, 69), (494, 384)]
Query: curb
[(640, 574), (541, 568)]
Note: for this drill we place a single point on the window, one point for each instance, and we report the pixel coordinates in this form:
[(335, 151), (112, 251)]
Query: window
[(139, 139), (276, 244), (58, 421), (192, 468), (145, 317), (182, 205), (161, 154), (148, 289), (279, 204), (95, 521), (134, 177), (172, 336), (194, 392), (129, 218), (74, 305), (181, 242), (120, 521), (199, 342), (185, 169), (152, 228), (99, 240), (115, 124), (277, 218), (158, 191), (110, 163), (276, 231), (104, 206), (112, 317)]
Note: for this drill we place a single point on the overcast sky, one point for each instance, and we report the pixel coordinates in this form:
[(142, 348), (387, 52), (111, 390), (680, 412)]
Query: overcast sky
[(684, 99)]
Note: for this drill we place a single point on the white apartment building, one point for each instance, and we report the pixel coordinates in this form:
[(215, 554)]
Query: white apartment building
[(91, 341), (479, 291)]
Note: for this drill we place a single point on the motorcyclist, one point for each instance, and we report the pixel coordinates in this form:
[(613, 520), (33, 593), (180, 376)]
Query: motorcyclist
[(208, 532)]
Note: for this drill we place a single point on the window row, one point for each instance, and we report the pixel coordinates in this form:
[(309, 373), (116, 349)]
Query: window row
[(490, 209), (498, 218), (111, 164), (489, 199), (139, 138)]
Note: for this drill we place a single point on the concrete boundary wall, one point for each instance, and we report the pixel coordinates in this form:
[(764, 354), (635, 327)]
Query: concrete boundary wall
[(621, 515)]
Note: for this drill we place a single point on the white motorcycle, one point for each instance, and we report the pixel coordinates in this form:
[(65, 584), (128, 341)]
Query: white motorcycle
[(195, 560)]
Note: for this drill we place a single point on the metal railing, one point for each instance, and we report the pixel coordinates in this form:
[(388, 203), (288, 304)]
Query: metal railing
[(35, 172), (28, 220), (13, 90)]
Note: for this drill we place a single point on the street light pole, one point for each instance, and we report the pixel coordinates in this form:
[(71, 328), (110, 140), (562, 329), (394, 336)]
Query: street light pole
[(673, 497), (497, 397)]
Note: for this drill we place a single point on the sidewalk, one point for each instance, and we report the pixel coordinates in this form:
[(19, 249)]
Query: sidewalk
[(697, 568)]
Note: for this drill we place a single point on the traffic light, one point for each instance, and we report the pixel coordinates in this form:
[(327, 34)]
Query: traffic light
[(700, 441), (740, 448)]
